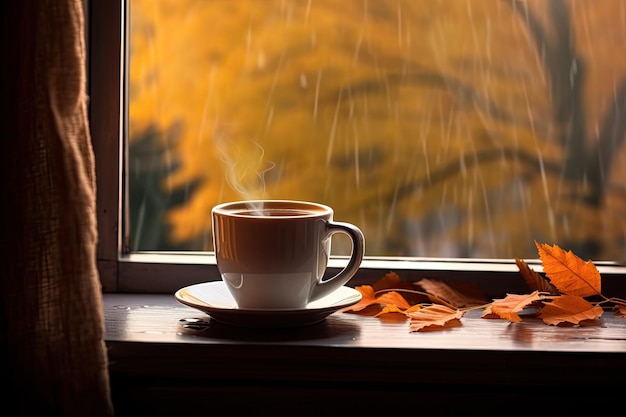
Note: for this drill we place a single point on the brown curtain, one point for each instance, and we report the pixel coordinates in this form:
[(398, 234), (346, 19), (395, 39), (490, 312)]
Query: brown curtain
[(54, 356)]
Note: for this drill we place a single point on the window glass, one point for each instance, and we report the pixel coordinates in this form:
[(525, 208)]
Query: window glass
[(464, 129)]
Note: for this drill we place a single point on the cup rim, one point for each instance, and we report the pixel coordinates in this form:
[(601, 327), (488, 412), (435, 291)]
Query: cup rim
[(225, 208)]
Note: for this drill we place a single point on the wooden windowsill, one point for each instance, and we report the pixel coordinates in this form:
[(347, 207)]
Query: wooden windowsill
[(158, 364)]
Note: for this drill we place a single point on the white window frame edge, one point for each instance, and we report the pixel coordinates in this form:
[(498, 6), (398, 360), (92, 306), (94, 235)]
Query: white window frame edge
[(121, 271)]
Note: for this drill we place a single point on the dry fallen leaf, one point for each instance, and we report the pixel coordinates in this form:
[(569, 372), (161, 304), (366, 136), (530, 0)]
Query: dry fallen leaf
[(558, 297), (390, 280), (488, 314), (392, 308), (387, 300), (456, 294), (368, 298), (569, 308), (534, 280), (435, 315), (393, 298), (508, 307), (568, 273)]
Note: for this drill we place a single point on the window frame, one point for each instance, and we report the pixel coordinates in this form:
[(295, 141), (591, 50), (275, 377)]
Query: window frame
[(154, 272)]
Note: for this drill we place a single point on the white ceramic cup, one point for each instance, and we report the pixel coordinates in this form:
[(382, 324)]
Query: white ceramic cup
[(272, 254)]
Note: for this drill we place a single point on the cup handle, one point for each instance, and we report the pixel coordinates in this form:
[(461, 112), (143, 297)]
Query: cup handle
[(326, 286)]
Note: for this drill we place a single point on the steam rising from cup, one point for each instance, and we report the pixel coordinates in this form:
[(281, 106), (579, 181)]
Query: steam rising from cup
[(245, 168)]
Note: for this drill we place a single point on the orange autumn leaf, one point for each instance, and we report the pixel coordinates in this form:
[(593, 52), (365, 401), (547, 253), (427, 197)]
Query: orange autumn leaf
[(534, 280), (568, 273), (393, 298), (508, 307), (488, 314), (390, 280), (456, 294), (368, 298), (392, 308), (569, 308), (620, 310), (386, 299), (433, 315)]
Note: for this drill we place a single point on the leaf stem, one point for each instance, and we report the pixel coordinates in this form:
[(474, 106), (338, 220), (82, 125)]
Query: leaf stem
[(433, 297), (480, 307)]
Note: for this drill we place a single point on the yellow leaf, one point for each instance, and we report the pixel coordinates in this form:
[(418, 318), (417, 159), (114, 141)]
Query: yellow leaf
[(568, 273), (569, 308)]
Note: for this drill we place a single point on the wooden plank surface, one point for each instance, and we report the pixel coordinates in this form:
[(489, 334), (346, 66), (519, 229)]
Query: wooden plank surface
[(159, 365), (160, 318)]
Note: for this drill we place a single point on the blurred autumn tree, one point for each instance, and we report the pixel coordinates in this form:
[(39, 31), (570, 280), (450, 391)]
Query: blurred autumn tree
[(441, 128)]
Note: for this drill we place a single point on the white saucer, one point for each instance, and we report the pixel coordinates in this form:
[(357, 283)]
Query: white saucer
[(214, 299)]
